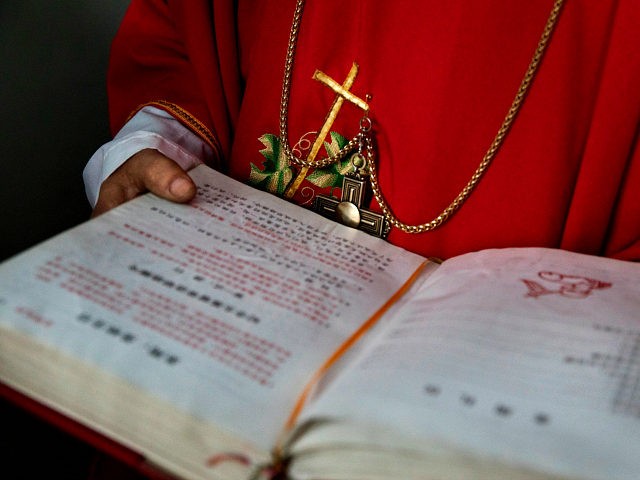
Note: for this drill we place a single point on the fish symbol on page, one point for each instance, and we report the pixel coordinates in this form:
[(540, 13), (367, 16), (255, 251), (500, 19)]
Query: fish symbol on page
[(572, 286)]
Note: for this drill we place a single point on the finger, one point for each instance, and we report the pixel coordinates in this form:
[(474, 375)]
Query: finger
[(154, 172), (148, 170)]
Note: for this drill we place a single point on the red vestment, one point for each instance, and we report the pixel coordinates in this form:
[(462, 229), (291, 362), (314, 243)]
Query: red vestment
[(442, 76)]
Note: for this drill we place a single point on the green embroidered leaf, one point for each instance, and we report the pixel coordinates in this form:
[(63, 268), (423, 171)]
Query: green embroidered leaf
[(332, 176), (276, 174), (337, 142)]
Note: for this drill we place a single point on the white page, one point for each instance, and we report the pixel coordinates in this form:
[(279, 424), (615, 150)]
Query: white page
[(502, 354), (182, 300)]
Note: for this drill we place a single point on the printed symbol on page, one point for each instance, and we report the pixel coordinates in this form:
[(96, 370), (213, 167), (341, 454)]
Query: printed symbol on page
[(571, 286), (500, 409), (161, 354), (467, 400), (100, 324), (432, 390), (541, 418), (503, 410)]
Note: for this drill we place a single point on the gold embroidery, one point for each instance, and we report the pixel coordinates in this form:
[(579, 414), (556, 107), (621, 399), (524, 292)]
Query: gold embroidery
[(342, 94), (189, 120)]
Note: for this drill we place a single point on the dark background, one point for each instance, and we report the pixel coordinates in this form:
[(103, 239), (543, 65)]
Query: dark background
[(53, 59)]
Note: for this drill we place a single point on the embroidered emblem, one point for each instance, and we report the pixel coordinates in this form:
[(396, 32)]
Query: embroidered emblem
[(333, 174), (342, 93), (571, 286), (276, 172)]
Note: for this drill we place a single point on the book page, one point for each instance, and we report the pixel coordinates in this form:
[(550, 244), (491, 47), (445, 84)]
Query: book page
[(528, 356), (222, 307)]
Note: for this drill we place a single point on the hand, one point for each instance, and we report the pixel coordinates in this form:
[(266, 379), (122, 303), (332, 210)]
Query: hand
[(146, 171)]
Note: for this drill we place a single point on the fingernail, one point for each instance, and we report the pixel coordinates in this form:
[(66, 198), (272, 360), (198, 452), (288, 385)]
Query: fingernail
[(180, 187)]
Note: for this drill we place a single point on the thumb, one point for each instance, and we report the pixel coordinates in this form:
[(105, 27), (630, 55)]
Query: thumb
[(146, 171), (154, 172)]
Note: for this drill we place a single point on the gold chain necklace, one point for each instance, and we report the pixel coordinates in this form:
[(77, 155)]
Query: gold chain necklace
[(357, 141)]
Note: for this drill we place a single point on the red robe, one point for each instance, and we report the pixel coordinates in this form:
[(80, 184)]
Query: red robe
[(442, 76)]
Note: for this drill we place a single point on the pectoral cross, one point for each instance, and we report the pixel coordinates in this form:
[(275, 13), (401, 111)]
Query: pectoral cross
[(348, 210), (342, 94)]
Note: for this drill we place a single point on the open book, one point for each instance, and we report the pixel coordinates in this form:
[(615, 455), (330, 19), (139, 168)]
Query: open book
[(241, 334)]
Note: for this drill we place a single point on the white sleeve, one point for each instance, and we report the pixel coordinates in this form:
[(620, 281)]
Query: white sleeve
[(149, 128)]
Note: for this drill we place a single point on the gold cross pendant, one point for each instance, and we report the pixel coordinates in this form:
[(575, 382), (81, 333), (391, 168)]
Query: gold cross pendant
[(348, 210)]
